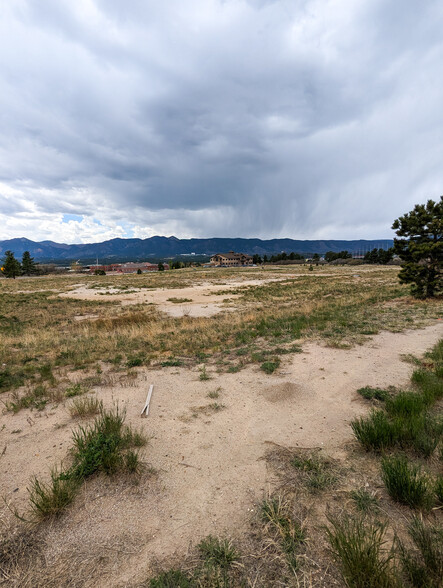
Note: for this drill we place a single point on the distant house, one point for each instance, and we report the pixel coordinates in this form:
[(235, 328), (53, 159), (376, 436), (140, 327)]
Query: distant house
[(231, 259)]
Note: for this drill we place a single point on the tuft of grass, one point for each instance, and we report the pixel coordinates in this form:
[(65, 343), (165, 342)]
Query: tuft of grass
[(405, 404), (423, 567), (50, 499), (269, 367), (366, 502), (373, 393), (204, 375), (358, 549), (217, 552), (85, 407), (276, 512), (171, 362), (318, 474), (76, 390), (405, 483), (171, 579), (175, 300), (214, 394), (101, 446), (438, 488)]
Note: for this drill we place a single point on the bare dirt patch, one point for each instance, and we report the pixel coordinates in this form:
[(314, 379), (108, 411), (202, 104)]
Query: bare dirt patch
[(210, 469), (201, 300)]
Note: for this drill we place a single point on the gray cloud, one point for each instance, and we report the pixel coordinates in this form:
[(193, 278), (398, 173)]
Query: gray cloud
[(220, 118)]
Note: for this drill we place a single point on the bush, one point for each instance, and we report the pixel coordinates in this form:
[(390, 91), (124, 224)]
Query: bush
[(405, 483)]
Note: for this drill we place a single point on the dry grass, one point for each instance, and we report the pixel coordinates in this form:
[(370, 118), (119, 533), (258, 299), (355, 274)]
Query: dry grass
[(38, 327)]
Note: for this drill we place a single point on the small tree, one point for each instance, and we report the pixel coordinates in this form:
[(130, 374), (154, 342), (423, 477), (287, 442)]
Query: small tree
[(161, 267), (29, 267), (10, 267), (422, 248)]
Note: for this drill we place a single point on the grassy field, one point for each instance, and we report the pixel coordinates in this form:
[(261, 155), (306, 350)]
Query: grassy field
[(41, 332), (382, 525)]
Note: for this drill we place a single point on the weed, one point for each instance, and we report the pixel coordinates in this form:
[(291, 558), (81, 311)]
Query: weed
[(269, 367), (85, 407), (218, 552), (204, 375), (358, 550), (216, 407), (134, 361), (171, 579), (75, 390), (424, 567), (214, 394), (439, 488), (373, 393), (405, 483), (233, 369), (374, 432), (276, 511), (101, 446), (318, 475), (179, 300), (405, 404), (365, 501), (171, 362), (50, 499)]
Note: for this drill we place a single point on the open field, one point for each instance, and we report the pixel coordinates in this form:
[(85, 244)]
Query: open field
[(255, 375)]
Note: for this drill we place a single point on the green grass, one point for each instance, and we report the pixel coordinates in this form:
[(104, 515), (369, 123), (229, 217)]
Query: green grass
[(269, 367), (318, 474), (171, 579), (365, 501), (217, 552), (406, 483), (358, 549), (373, 393), (50, 499), (104, 446), (423, 566)]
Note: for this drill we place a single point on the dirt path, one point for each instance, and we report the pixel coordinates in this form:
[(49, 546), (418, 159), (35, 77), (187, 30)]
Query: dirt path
[(210, 463)]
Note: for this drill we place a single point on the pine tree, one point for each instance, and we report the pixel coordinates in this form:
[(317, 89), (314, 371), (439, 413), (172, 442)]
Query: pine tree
[(422, 249), (28, 265), (10, 267)]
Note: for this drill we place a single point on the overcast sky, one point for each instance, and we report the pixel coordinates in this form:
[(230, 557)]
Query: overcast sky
[(307, 119)]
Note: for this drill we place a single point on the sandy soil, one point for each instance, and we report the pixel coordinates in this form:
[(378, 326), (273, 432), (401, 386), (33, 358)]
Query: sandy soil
[(201, 300), (209, 463)]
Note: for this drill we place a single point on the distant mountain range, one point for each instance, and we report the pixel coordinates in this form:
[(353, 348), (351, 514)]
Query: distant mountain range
[(162, 247)]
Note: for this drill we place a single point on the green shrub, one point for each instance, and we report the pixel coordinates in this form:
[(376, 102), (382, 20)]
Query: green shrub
[(358, 550), (439, 488), (405, 483)]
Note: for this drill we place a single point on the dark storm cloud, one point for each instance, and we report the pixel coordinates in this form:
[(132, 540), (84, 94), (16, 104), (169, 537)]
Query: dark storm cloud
[(245, 118)]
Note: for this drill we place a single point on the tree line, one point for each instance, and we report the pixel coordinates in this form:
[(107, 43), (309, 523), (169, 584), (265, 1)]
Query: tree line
[(11, 267)]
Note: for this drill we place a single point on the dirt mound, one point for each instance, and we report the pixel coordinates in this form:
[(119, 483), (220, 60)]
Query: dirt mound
[(280, 392)]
